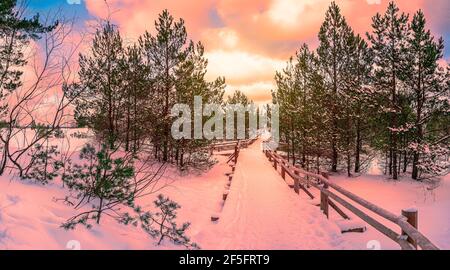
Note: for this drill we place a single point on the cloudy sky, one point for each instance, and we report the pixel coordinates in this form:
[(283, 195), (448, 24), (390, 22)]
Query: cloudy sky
[(245, 40)]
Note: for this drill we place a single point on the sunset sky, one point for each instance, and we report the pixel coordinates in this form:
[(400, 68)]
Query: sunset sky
[(245, 41)]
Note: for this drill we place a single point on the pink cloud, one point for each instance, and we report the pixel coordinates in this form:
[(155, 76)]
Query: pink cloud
[(134, 17), (266, 31)]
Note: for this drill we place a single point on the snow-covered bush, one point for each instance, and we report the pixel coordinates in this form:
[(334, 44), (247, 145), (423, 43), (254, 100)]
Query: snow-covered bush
[(434, 160), (200, 160)]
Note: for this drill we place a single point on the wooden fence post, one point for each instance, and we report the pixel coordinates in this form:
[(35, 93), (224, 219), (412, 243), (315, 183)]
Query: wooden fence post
[(296, 182), (324, 202), (412, 216), (306, 178), (236, 153), (283, 172), (324, 197)]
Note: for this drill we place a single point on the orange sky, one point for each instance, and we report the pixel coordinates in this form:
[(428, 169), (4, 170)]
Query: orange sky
[(247, 40)]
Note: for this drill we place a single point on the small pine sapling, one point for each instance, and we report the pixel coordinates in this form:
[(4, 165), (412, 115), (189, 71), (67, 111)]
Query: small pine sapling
[(162, 225), (43, 166), (102, 181)]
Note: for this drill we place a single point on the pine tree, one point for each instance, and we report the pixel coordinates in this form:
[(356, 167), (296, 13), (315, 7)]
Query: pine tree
[(301, 95), (291, 95), (43, 165), (164, 53), (362, 65), (334, 59), (190, 82), (424, 81), (284, 97), (304, 76), (100, 107), (355, 85), (389, 43), (101, 180), (137, 95)]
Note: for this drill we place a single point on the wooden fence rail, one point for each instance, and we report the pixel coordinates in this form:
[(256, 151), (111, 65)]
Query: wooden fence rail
[(237, 146), (409, 238), (229, 145)]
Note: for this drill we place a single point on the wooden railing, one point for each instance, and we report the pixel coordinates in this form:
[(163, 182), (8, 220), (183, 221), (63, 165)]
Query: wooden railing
[(229, 145), (332, 194), (237, 147)]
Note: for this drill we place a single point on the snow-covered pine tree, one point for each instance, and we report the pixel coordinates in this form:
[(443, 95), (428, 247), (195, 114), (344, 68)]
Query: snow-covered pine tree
[(360, 93), (389, 43), (164, 53), (334, 59), (100, 106), (429, 97)]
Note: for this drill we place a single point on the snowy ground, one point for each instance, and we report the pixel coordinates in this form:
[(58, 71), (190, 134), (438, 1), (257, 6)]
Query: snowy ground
[(432, 204), (261, 212)]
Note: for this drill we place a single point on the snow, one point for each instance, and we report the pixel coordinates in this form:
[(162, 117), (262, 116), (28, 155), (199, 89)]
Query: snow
[(30, 217), (260, 211), (346, 225), (432, 204), (410, 209)]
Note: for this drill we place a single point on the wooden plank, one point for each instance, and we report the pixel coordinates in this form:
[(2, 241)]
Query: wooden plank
[(337, 209), (358, 230), (307, 191)]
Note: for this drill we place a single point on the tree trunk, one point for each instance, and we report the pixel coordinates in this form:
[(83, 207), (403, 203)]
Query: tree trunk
[(127, 136), (4, 158), (358, 147), (419, 138), (334, 157), (390, 161)]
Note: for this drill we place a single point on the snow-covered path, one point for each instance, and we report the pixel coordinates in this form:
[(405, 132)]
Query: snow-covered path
[(262, 212)]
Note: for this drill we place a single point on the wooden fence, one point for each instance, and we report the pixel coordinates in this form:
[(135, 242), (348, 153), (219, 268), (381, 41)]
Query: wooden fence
[(332, 195), (229, 145)]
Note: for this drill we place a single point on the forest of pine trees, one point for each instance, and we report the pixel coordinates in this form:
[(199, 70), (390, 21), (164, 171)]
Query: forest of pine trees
[(127, 91), (353, 101), (123, 93)]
